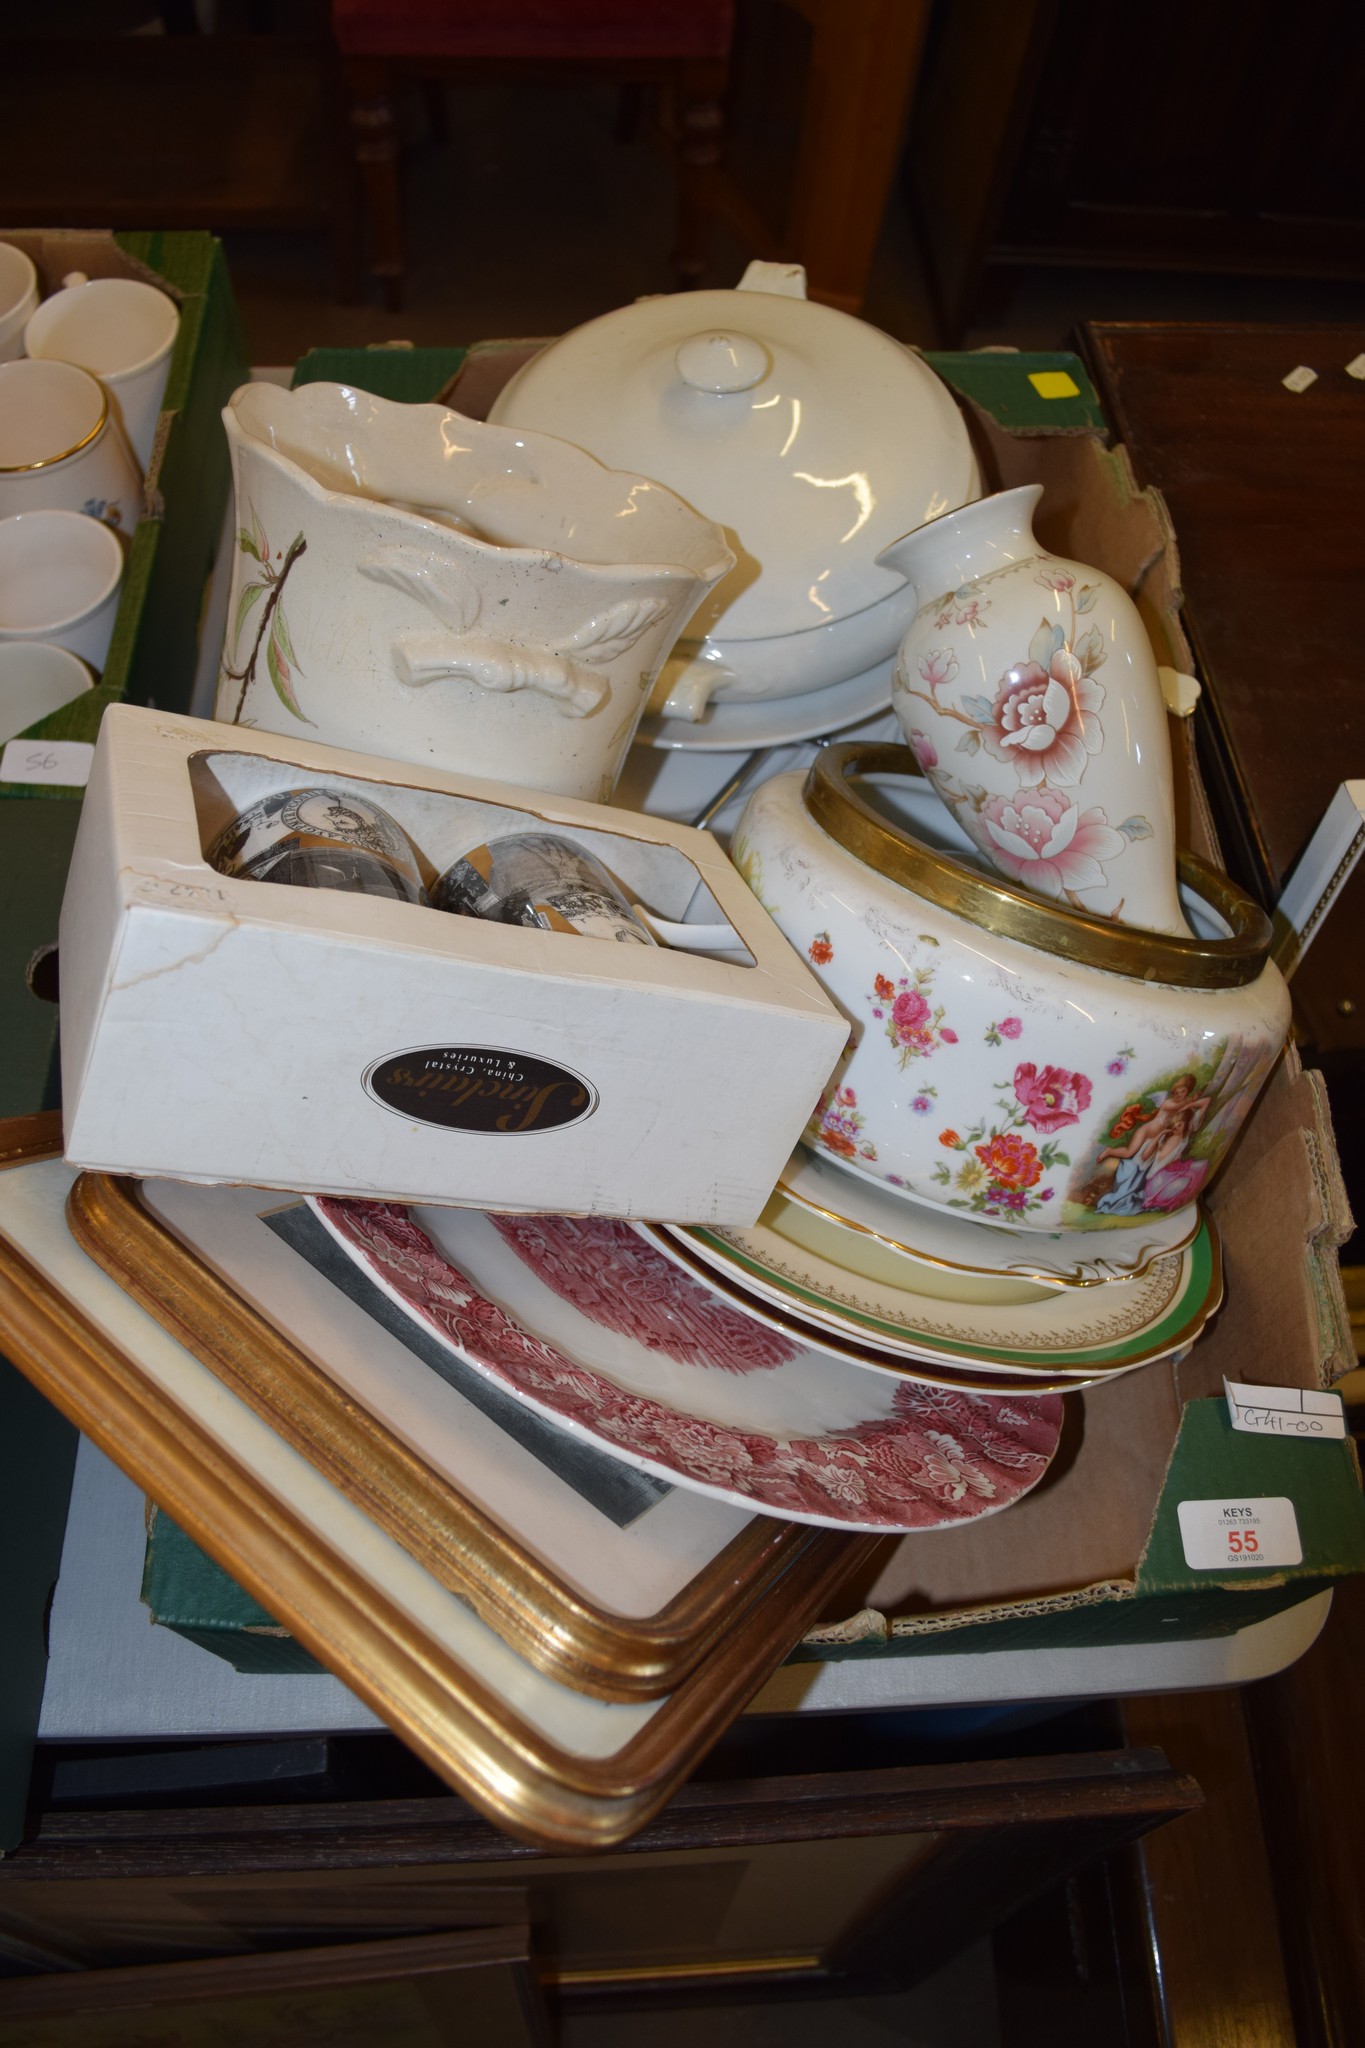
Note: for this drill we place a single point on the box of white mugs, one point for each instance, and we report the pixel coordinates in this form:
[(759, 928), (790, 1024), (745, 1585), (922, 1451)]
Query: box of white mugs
[(293, 967)]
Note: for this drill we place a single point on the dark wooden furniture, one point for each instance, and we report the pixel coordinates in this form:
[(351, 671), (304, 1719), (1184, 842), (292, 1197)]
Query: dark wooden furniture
[(819, 92), (436, 1991), (1250, 1910), (177, 131), (1264, 491), (827, 1881), (1083, 133), (678, 44)]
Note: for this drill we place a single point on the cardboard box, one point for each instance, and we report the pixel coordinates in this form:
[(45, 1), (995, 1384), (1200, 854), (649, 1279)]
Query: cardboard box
[(1094, 1554), (154, 648), (219, 1029)]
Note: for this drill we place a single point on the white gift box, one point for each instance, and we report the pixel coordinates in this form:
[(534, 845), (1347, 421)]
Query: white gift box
[(222, 1029)]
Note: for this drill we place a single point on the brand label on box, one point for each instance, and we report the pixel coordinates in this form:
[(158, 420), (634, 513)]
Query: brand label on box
[(483, 1088), (1239, 1535), (1285, 1411)]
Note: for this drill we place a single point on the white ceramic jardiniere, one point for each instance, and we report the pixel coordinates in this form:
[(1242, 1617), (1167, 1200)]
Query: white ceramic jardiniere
[(1028, 690), (1019, 1062), (422, 586), (812, 438)]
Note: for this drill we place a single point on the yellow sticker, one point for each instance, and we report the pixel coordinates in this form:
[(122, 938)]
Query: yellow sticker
[(1054, 384)]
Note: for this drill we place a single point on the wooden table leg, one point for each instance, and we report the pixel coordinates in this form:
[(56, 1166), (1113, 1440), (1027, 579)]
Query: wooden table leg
[(865, 57), (369, 96), (1207, 1885)]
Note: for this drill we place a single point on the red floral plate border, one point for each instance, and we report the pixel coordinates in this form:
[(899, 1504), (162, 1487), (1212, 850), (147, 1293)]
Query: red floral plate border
[(937, 1459)]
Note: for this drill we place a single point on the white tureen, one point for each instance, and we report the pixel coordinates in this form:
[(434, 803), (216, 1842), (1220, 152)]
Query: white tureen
[(813, 439)]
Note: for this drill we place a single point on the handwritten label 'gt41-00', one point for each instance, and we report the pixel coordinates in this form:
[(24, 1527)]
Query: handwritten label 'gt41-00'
[(1239, 1535), (481, 1089)]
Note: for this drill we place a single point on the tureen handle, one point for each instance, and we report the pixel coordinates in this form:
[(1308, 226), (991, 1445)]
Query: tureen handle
[(420, 658), (787, 280)]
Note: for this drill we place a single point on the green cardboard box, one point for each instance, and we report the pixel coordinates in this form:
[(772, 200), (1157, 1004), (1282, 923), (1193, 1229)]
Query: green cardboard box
[(154, 651), (1095, 1554)]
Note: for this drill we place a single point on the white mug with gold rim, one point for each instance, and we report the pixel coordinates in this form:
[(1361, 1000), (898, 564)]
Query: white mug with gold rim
[(60, 449)]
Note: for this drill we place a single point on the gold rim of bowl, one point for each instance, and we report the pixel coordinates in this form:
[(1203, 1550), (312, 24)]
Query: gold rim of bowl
[(994, 905), (1052, 1279)]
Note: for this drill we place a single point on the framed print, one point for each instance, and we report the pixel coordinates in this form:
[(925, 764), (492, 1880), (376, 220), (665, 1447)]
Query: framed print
[(601, 1576), (547, 1762)]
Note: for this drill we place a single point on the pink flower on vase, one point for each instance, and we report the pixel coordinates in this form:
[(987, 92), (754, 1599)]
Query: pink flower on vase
[(948, 1035), (1056, 581), (970, 614), (1010, 1027), (1044, 720), (1050, 1097), (1044, 840), (938, 667), (924, 750)]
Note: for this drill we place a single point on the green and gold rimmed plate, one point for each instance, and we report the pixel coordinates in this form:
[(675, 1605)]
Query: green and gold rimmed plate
[(936, 1238), (795, 1270), (944, 1372)]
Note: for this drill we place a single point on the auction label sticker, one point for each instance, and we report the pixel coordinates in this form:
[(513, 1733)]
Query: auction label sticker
[(1239, 1535), (63, 762), (1285, 1411)]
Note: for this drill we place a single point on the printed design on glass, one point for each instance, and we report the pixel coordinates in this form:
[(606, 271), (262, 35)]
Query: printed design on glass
[(1164, 1139), (1042, 719), (326, 815), (1002, 1172), (938, 1457), (537, 878), (600, 1267), (322, 839), (270, 636)]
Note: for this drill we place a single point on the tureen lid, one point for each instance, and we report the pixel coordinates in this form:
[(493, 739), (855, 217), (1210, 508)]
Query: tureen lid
[(813, 438)]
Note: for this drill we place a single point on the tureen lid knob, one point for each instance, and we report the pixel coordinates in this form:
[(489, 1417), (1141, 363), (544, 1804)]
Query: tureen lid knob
[(722, 362)]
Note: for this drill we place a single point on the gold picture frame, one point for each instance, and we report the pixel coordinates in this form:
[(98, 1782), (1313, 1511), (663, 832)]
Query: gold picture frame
[(543, 1617), (504, 1761)]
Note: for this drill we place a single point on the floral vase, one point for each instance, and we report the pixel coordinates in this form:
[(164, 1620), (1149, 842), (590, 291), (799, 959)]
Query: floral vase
[(1029, 694)]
